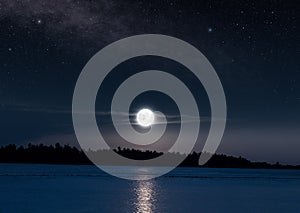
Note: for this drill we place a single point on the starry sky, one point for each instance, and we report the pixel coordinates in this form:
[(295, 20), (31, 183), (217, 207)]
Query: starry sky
[(253, 46)]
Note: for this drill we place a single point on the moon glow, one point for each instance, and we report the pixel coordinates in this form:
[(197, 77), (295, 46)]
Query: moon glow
[(145, 117)]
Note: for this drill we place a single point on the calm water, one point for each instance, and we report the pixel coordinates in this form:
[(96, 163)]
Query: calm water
[(64, 188)]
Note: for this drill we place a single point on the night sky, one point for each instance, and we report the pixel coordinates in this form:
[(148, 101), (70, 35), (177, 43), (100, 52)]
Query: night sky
[(253, 46)]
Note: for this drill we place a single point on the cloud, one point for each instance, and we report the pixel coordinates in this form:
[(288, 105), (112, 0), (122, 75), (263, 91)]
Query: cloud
[(57, 110)]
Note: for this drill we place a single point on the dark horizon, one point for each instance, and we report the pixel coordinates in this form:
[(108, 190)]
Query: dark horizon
[(65, 154)]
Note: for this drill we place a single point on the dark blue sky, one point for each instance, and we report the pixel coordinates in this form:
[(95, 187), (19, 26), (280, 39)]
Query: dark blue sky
[(253, 46)]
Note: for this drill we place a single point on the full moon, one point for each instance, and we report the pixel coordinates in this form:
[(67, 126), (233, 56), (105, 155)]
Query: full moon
[(145, 117)]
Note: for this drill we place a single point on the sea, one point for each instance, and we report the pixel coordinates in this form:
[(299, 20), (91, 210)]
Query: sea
[(85, 188)]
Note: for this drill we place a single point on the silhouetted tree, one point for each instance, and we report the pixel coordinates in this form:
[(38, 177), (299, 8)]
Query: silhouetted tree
[(59, 154)]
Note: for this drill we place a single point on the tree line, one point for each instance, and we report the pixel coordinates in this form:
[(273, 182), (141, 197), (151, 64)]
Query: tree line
[(58, 154)]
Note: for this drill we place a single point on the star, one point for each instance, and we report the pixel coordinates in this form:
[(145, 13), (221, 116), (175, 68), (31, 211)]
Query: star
[(209, 29), (39, 21)]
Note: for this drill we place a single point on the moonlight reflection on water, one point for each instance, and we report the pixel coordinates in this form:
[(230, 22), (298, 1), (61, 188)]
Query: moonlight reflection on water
[(145, 197)]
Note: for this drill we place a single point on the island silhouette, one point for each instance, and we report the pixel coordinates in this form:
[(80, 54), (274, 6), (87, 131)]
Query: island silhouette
[(65, 154)]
